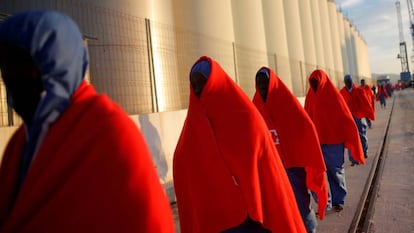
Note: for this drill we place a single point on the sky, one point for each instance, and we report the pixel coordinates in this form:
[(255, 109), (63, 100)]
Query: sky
[(377, 23)]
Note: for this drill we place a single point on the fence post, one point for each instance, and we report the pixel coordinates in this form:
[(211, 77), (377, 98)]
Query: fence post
[(150, 51), (236, 78)]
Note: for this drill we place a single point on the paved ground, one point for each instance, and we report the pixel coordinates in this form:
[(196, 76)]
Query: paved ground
[(356, 177), (394, 211), (394, 206)]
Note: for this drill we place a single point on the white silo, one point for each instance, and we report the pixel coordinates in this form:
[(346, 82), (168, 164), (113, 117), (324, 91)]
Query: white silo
[(326, 37), (349, 51), (250, 40), (276, 39), (336, 46), (342, 42), (367, 63), (358, 52), (365, 71), (295, 45), (317, 33), (354, 52), (198, 20), (308, 38)]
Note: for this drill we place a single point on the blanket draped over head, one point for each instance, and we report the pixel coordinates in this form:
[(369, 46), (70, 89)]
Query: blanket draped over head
[(331, 116), (226, 166), (358, 103), (298, 140), (370, 96), (87, 168), (89, 175)]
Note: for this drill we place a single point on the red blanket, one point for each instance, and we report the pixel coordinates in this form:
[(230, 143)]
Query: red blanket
[(370, 96), (331, 116), (226, 166), (298, 143), (358, 103), (89, 175), (382, 91)]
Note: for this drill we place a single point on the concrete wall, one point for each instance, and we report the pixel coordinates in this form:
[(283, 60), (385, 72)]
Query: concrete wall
[(249, 34), (295, 45), (276, 38), (161, 132), (308, 38), (336, 44), (316, 24), (5, 134), (326, 38)]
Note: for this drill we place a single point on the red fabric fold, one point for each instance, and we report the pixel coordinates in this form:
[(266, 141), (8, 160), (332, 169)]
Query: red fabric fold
[(298, 143), (370, 96), (358, 103), (225, 164), (89, 175), (381, 91), (331, 116)]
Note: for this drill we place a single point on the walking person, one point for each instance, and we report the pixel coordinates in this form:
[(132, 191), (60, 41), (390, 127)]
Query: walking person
[(301, 153), (370, 96), (336, 131), (228, 176), (382, 95), (361, 110), (78, 163)]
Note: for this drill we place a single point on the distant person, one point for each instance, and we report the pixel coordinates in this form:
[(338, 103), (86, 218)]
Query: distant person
[(382, 95), (361, 111), (371, 98), (374, 90), (78, 163), (389, 88), (228, 176), (336, 130), (296, 139)]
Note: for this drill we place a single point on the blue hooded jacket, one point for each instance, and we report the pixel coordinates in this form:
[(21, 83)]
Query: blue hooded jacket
[(55, 43)]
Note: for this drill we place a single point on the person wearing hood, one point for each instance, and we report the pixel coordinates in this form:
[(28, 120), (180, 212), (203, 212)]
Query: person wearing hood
[(228, 176), (300, 153), (370, 96), (78, 163), (361, 110), (336, 131)]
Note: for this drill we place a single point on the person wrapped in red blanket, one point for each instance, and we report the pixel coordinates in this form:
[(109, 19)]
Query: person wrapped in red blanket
[(370, 96), (228, 176), (78, 163), (361, 110), (336, 131), (300, 152)]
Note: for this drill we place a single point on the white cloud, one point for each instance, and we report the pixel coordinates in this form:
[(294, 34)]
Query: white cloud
[(377, 22), (348, 3)]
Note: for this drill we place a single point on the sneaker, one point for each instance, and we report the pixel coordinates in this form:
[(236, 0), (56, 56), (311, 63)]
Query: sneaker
[(338, 208)]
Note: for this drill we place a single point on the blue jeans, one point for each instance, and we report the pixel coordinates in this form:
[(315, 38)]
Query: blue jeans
[(297, 178), (382, 100), (335, 170), (362, 130)]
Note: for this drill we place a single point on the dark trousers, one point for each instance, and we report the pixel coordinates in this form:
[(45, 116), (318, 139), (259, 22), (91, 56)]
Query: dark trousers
[(335, 170), (297, 178)]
